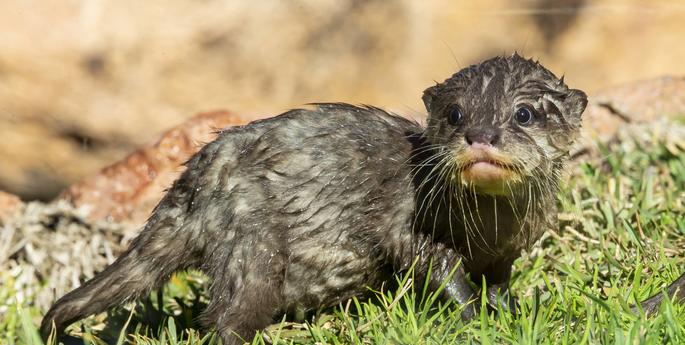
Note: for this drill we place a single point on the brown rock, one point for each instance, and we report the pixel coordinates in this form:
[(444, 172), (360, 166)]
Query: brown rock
[(9, 203), (127, 191), (642, 101)]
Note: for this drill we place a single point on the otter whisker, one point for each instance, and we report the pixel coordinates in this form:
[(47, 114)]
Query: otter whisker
[(494, 206), (477, 229)]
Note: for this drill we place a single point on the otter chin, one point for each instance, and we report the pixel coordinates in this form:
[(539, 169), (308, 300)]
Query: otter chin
[(489, 178)]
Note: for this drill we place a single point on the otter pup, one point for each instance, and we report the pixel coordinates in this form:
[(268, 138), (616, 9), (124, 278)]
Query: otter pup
[(312, 207)]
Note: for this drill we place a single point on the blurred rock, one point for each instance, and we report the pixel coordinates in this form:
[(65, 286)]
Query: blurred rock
[(84, 82), (9, 204), (128, 190), (640, 101), (636, 103)]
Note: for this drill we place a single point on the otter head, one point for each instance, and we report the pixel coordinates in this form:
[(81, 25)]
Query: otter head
[(503, 123)]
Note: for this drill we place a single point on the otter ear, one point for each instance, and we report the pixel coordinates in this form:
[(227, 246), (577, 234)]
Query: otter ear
[(428, 97), (575, 103)]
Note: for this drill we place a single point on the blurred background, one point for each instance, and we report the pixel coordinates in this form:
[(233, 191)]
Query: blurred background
[(84, 82)]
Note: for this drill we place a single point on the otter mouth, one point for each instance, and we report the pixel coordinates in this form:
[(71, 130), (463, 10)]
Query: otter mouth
[(487, 172), (487, 163)]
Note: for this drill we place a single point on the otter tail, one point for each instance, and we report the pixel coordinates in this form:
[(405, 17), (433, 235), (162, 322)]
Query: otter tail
[(160, 250), (676, 289)]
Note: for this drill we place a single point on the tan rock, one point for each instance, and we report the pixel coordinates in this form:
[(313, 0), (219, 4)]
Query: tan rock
[(84, 82), (128, 190)]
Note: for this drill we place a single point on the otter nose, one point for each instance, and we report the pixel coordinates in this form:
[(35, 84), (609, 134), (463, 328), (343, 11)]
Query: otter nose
[(489, 136)]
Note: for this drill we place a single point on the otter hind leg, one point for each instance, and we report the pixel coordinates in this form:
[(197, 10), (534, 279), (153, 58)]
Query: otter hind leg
[(246, 296)]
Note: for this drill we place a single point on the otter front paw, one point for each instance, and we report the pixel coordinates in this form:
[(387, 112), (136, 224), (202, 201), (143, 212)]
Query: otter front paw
[(500, 299)]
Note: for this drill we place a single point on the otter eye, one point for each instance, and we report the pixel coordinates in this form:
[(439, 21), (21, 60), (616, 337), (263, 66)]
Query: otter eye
[(455, 116), (524, 115)]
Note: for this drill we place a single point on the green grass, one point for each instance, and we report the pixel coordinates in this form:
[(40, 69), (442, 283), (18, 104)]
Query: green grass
[(621, 237)]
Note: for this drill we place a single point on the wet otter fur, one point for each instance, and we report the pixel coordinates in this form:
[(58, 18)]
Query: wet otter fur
[(312, 207)]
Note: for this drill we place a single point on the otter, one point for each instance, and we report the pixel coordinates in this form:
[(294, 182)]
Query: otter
[(314, 206)]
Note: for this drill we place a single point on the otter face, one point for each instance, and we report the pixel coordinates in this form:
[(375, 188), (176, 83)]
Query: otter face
[(502, 123)]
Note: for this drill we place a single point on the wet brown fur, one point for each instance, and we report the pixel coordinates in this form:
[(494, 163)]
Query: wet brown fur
[(312, 207)]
